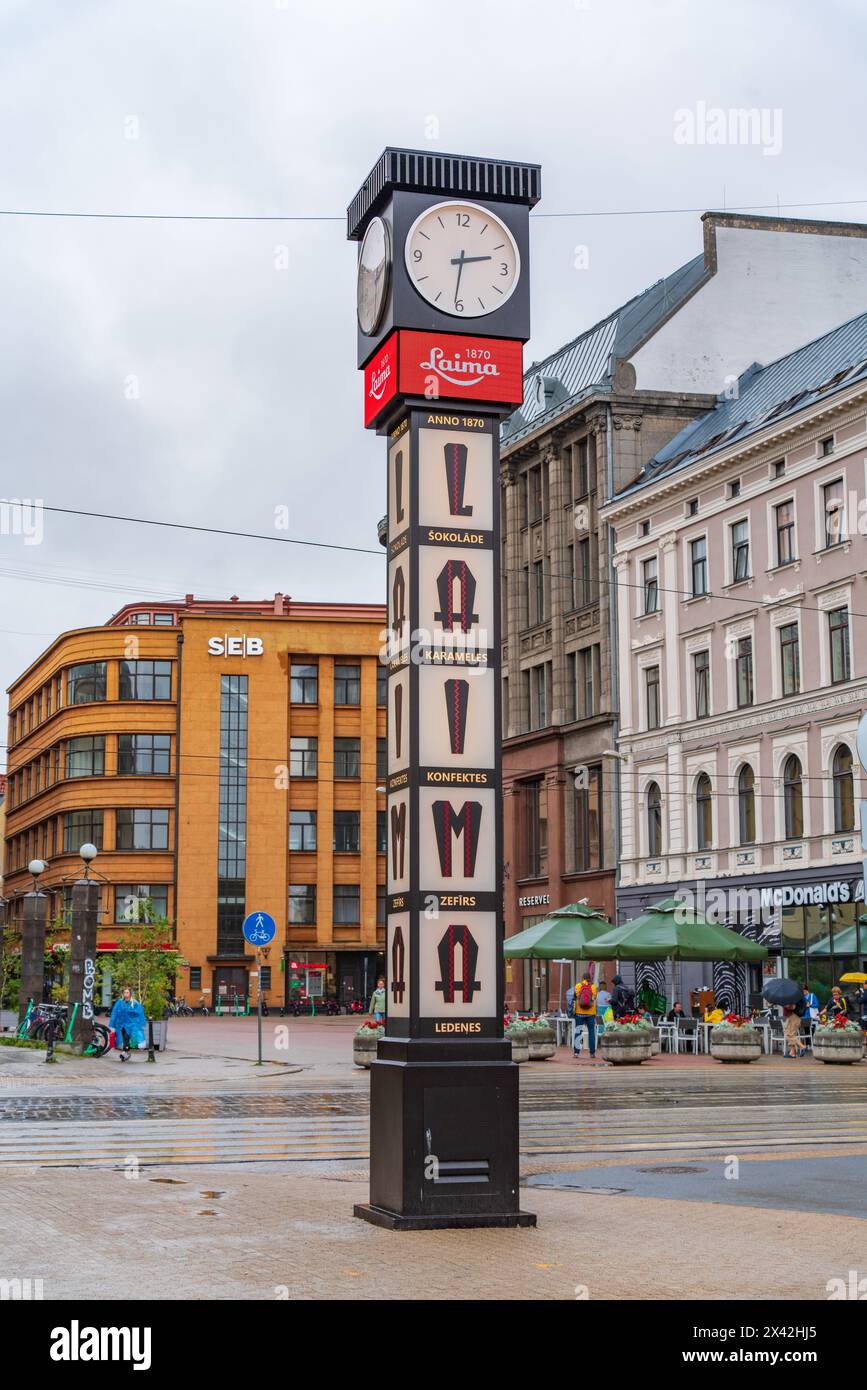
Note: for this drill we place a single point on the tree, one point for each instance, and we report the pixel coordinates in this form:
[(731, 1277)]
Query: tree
[(145, 965)]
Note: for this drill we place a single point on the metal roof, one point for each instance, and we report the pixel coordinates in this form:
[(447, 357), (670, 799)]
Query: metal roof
[(766, 395), (587, 363)]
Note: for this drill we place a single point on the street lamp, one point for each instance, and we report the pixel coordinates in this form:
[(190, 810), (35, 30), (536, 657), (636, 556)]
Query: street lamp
[(36, 867), (88, 853)]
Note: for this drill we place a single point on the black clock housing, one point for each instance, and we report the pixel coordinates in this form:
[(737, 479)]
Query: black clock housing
[(402, 185)]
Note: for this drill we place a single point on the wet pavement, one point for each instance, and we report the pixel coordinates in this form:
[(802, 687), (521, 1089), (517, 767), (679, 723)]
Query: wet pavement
[(832, 1185)]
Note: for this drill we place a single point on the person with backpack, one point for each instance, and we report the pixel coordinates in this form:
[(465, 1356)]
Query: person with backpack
[(584, 1015), (622, 999)]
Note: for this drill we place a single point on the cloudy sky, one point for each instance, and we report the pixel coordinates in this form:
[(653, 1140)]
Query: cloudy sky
[(204, 371)]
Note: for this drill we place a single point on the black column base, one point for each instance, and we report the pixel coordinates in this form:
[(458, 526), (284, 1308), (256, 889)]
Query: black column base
[(443, 1136), (392, 1222)]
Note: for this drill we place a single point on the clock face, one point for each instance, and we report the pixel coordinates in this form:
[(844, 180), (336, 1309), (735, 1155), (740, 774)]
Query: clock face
[(462, 259), (374, 268)]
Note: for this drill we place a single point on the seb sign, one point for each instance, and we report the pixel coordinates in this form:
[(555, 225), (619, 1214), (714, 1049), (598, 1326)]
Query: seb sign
[(235, 646), (443, 366)]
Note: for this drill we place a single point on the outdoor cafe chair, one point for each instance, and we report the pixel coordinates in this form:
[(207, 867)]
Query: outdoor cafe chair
[(687, 1034)]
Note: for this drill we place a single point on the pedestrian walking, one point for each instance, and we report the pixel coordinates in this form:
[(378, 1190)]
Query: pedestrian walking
[(603, 1001), (129, 1023), (377, 1001), (584, 1014), (861, 1006), (792, 1033), (811, 1007)]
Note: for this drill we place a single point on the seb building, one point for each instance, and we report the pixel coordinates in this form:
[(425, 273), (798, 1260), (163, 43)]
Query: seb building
[(443, 313), (224, 757)]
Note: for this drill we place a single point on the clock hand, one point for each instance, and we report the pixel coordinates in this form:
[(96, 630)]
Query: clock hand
[(467, 260), (460, 266)]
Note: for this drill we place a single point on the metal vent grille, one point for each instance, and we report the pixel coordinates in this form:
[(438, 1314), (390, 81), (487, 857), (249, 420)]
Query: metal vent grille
[(449, 174)]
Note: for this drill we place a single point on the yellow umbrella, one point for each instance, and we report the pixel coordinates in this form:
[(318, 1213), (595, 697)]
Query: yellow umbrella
[(853, 978)]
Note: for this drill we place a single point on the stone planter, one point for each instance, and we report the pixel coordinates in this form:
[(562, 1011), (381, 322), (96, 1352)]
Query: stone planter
[(543, 1042), (364, 1048), (626, 1046), (656, 1045), (838, 1045), (520, 1046), (735, 1044)]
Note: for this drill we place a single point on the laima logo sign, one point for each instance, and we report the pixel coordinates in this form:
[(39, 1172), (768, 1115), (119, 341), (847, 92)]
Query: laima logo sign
[(443, 366), (380, 379)]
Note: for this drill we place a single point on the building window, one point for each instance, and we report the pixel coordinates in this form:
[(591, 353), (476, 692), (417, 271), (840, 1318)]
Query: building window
[(381, 833), (734, 488), (832, 508), (584, 594), (785, 525), (539, 696), (654, 820), (144, 754), (381, 757), (692, 507), (587, 688), (304, 684), (582, 471), (790, 659), (303, 756), (380, 904), (701, 678), (164, 619), (85, 683), (645, 528), (698, 566), (651, 690), (793, 798), (838, 625), (81, 828), (145, 680), (535, 830), (779, 468), (650, 581), (740, 551), (746, 805), (232, 826), (302, 831), (85, 757), (141, 902), (538, 592), (195, 978), (826, 446), (588, 823), (844, 789), (347, 757), (744, 672), (703, 812), (381, 684), (347, 832), (347, 685), (347, 904), (142, 827), (302, 904), (534, 483)]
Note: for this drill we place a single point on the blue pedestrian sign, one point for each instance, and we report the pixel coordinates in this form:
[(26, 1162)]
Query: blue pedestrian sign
[(259, 928)]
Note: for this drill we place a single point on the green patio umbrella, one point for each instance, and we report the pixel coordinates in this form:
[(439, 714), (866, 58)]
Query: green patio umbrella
[(559, 937), (668, 931), (562, 936)]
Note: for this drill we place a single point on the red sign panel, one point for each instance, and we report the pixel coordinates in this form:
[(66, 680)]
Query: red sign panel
[(450, 366), (443, 366), (380, 380)]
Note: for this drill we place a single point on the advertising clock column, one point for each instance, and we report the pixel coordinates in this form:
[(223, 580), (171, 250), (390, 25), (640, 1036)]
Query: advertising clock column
[(444, 1091)]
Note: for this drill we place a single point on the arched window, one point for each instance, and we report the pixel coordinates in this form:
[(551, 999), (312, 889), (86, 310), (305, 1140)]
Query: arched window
[(844, 789), (703, 811), (793, 798), (654, 820), (747, 805)]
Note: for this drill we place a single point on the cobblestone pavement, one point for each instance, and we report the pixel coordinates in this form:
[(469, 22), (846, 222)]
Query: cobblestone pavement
[(232, 1181)]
